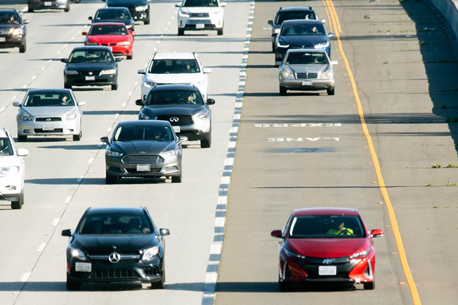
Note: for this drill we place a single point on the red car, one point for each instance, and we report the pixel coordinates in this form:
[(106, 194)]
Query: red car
[(326, 245), (113, 35)]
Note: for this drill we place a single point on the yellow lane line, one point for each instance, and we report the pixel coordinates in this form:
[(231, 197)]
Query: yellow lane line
[(378, 170)]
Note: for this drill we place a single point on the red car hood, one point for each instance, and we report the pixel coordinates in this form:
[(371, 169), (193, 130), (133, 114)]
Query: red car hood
[(108, 38), (327, 247)]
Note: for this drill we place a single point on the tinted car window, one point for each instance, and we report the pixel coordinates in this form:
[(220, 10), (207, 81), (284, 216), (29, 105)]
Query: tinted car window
[(143, 133), (295, 58), (85, 56), (115, 224), (6, 149), (108, 30), (48, 100), (9, 18), (320, 226), (200, 3), (303, 29), (165, 66), (282, 16), (111, 14), (165, 97)]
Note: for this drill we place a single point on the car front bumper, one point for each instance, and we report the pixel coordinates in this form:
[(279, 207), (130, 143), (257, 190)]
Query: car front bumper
[(11, 42), (307, 84), (200, 24), (120, 167), (48, 4), (11, 187), (80, 80), (54, 128)]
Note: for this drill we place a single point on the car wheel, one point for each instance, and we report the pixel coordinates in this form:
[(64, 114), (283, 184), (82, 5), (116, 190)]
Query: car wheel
[(72, 286), (114, 87), (206, 143), (30, 10), (284, 286), (67, 9), (67, 86), (23, 48), (77, 137), (130, 56), (176, 179), (220, 32), (146, 21), (21, 138), (17, 205), (273, 47), (369, 285), (180, 32), (331, 91), (282, 90), (109, 179)]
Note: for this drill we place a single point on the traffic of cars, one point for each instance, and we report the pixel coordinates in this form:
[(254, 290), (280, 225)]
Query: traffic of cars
[(118, 245)]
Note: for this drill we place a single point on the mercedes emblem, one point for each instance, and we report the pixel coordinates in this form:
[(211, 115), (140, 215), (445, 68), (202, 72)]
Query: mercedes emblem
[(114, 257)]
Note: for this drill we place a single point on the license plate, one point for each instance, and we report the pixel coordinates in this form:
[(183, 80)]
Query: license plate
[(306, 83), (177, 129), (143, 167), (90, 77), (47, 3), (2, 39), (327, 270), (48, 127), (83, 267), (200, 26)]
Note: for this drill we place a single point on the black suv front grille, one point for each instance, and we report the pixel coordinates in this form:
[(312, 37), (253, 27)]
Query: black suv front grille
[(114, 274)]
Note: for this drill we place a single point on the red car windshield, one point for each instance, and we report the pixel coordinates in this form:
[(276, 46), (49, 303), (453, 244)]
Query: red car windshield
[(326, 226)]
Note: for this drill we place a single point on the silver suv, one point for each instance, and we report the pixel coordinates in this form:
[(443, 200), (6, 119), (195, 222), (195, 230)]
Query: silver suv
[(11, 170)]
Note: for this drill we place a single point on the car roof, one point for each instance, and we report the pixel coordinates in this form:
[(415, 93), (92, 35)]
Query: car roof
[(108, 23), (298, 21), (145, 123), (91, 48), (61, 90), (9, 10), (115, 210), (174, 87), (111, 8), (174, 56), (325, 211), (295, 8)]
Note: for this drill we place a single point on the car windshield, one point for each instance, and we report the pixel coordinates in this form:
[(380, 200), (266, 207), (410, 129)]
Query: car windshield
[(200, 3), (302, 29), (115, 224), (51, 99), (128, 133), (304, 58), (9, 18), (110, 14), (108, 30), (283, 16), (174, 66), (326, 226), (167, 97), (90, 56), (6, 149)]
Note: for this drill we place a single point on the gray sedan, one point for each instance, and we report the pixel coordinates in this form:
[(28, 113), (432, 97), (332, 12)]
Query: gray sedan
[(49, 112), (143, 149), (307, 70)]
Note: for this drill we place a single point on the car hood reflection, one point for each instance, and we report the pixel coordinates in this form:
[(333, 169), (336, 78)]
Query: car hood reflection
[(121, 242), (327, 247)]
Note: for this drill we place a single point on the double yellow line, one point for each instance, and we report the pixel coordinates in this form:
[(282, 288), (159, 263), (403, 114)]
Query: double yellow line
[(378, 171)]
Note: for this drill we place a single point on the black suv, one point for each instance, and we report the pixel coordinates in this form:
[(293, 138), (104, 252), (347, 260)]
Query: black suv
[(289, 13), (12, 30), (139, 9), (49, 4)]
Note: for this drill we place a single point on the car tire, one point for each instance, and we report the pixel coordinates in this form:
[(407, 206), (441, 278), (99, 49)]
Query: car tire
[(30, 10), (180, 32), (331, 91), (17, 205), (284, 286), (177, 179), (77, 1), (77, 137), (67, 86), (67, 9), (369, 286), (273, 47), (109, 179), (72, 286), (147, 21), (114, 87), (220, 32), (23, 48), (160, 284), (21, 138), (129, 57), (283, 91)]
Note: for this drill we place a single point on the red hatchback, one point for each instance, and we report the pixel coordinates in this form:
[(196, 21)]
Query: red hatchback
[(326, 245), (113, 35)]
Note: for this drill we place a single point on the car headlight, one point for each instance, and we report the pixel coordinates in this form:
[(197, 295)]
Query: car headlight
[(71, 72), (184, 14), (322, 45), (26, 117), (113, 153), (141, 8), (108, 72), (77, 254), (17, 32), (203, 114), (149, 83), (9, 170), (276, 31), (360, 254), (170, 153), (328, 74), (286, 73), (124, 43), (70, 116), (150, 253), (292, 254), (282, 45)]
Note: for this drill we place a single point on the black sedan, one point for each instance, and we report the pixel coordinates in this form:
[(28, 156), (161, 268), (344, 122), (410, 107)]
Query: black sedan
[(116, 245), (49, 4), (114, 14), (139, 9), (12, 30), (143, 149), (91, 66), (301, 34)]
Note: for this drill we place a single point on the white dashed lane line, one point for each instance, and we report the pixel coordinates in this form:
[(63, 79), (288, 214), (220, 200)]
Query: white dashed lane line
[(41, 247), (55, 222), (25, 277), (68, 199)]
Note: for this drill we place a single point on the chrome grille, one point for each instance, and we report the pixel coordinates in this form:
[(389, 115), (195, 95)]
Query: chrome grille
[(199, 15), (143, 159), (306, 75)]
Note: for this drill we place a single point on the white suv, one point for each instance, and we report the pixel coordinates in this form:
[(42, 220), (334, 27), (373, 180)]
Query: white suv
[(174, 68), (200, 15), (11, 170)]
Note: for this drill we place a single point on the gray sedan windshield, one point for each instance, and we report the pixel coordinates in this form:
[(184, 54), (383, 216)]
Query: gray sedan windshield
[(143, 133)]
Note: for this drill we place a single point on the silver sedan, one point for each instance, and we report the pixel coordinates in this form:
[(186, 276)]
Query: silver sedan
[(307, 70), (49, 112)]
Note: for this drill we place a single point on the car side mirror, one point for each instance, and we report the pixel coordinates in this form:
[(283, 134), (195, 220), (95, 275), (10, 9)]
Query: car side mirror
[(139, 102), (211, 101), (25, 21), (223, 4), (17, 104), (118, 59), (84, 33), (90, 18), (270, 22), (334, 62), (64, 60), (141, 71), (105, 140), (331, 34), (164, 232), (377, 233), (276, 233), (82, 103), (207, 70), (67, 232), (177, 4), (22, 152)]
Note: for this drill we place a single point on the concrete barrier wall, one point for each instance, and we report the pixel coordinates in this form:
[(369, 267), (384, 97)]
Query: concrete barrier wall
[(448, 8)]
